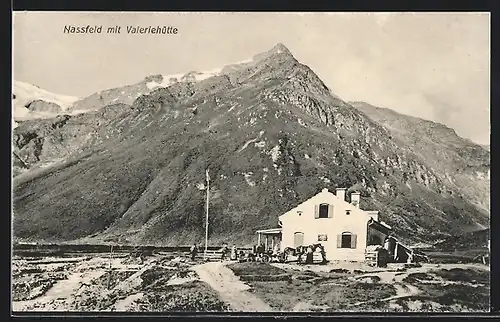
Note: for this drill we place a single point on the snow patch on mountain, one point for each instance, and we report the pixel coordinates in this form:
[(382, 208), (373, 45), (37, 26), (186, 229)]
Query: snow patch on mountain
[(325, 179), (188, 77), (275, 153), (193, 76), (167, 81), (24, 94), (260, 144), (247, 143), (253, 141), (248, 179)]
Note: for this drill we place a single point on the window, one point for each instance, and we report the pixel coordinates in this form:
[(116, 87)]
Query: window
[(298, 239), (347, 212), (346, 240), (323, 211)]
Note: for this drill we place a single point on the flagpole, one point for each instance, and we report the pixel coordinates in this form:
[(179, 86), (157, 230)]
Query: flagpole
[(206, 217)]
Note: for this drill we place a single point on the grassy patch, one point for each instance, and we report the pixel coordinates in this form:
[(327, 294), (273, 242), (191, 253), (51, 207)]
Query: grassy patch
[(417, 277), (259, 272), (255, 268), (158, 296), (456, 295), (454, 257), (112, 278), (453, 297), (266, 278), (156, 279), (465, 275), (336, 296), (190, 297), (27, 271)]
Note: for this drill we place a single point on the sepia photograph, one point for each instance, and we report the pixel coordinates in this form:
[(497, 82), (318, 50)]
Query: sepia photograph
[(250, 162)]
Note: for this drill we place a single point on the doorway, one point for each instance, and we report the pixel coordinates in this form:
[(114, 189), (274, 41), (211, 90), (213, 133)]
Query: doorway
[(298, 239)]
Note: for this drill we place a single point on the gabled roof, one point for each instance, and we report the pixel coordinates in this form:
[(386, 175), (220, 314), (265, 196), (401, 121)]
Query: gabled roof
[(322, 192)]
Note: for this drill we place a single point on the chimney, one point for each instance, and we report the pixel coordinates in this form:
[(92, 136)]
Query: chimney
[(373, 214), (340, 193), (355, 196)]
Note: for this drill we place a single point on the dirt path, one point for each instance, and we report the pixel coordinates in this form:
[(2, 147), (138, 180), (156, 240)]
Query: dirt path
[(231, 290), (59, 295)]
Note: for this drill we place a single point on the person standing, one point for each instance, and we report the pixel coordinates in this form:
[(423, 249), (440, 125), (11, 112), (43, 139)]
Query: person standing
[(193, 251), (276, 249), (323, 254), (309, 255), (233, 253), (224, 252)]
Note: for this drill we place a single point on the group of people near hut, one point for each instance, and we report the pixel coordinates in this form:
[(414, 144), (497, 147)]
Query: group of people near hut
[(233, 253), (225, 251), (304, 254)]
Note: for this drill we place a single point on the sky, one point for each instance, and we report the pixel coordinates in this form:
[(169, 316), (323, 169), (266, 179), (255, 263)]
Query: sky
[(431, 65)]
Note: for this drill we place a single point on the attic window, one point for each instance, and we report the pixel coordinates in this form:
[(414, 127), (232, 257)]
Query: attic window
[(347, 212), (323, 211)]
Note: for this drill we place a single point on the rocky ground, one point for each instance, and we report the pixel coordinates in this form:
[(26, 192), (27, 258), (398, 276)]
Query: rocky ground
[(172, 283), (348, 287), (117, 283)]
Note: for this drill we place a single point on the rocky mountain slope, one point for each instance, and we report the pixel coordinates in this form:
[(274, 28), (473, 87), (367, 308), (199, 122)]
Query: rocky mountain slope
[(475, 239), (132, 169), (462, 163)]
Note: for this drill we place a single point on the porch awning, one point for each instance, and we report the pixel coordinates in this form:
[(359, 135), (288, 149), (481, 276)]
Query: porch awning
[(272, 231), (380, 225)]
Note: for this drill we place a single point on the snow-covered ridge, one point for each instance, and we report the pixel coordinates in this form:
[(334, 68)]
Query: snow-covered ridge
[(25, 93), (193, 76)]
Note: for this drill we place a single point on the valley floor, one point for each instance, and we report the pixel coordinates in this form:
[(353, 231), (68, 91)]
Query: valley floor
[(172, 283)]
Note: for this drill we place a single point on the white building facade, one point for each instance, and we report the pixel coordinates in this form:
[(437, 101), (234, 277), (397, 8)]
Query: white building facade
[(340, 226)]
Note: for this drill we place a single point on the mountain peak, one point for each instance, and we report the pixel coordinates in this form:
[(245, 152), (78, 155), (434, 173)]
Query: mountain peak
[(278, 49)]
